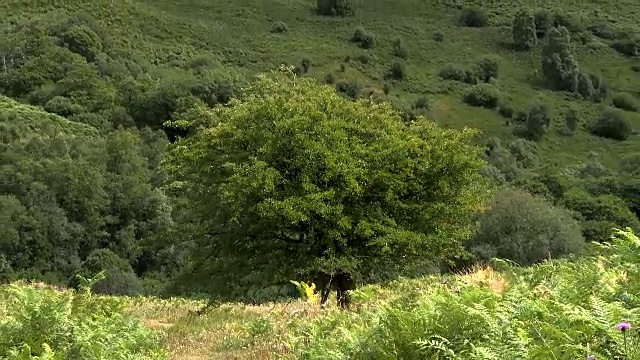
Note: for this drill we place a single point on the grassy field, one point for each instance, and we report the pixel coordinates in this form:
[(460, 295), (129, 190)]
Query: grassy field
[(563, 309), (238, 33)]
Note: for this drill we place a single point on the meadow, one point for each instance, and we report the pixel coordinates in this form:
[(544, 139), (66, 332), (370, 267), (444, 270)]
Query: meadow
[(562, 309)]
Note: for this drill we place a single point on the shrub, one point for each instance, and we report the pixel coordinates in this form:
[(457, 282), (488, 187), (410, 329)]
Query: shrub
[(630, 164), (386, 88), (63, 106), (120, 278), (635, 68), (82, 40), (543, 22), (330, 78), (279, 27), (559, 67), (570, 21), (538, 121), (613, 125), (397, 71), (43, 323), (524, 31), (399, 49), (505, 109), (351, 89), (525, 152), (438, 36), (601, 91), (305, 64), (453, 72), (363, 58), (473, 17), (364, 39), (422, 103), (336, 7), (585, 85), (487, 67), (625, 101), (525, 229), (629, 47), (604, 30), (607, 208), (572, 119), (483, 95)]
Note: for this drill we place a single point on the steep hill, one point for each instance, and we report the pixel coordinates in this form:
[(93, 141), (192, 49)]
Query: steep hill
[(239, 34)]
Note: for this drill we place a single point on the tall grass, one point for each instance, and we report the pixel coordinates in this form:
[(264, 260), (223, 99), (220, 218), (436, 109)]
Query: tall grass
[(556, 310), (48, 323)]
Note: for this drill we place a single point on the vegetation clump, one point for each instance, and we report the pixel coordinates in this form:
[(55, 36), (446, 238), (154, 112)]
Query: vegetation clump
[(364, 39), (612, 124), (474, 17), (483, 95)]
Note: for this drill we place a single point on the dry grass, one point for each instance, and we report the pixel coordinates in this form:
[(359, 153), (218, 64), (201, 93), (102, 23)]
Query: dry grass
[(231, 331), (485, 277)]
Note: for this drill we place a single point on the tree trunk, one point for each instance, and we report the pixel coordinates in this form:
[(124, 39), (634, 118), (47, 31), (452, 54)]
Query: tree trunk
[(344, 283)]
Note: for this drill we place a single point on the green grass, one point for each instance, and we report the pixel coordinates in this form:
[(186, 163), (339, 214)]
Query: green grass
[(562, 309), (29, 120), (238, 33)]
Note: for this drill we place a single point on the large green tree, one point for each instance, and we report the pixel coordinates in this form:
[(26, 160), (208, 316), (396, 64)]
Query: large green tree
[(294, 181)]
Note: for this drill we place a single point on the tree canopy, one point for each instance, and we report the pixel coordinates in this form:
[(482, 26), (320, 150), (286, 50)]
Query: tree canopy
[(294, 180)]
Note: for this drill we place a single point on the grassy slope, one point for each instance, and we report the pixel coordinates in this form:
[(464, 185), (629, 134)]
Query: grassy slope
[(238, 33), (24, 119)]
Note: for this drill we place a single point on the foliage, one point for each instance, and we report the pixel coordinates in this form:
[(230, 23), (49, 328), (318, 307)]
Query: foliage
[(525, 229), (438, 36), (524, 30), (572, 119), (51, 324), (336, 7), (486, 67), (397, 71), (559, 309), (538, 121), (612, 124), (626, 102), (458, 73), (483, 95), (543, 20), (399, 49), (363, 38), (473, 17), (279, 27), (629, 47), (559, 67), (331, 205)]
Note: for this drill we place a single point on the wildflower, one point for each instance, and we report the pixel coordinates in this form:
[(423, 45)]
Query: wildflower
[(623, 326)]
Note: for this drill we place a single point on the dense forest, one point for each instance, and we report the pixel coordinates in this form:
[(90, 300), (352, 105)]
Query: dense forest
[(137, 138)]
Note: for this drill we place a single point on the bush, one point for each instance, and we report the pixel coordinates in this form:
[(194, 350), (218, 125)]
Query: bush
[(473, 17), (399, 49), (524, 31), (422, 103), (351, 89), (604, 30), (487, 67), (572, 119), (63, 106), (607, 208), (120, 278), (525, 229), (613, 125), (505, 109), (279, 27), (626, 102), (538, 121), (543, 22), (386, 88), (305, 64), (629, 47), (453, 72), (483, 95), (397, 71), (525, 152), (43, 323), (364, 39), (559, 68), (438, 36), (336, 7), (570, 21), (330, 78)]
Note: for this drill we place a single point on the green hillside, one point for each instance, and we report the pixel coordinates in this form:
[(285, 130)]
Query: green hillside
[(238, 33), (28, 120)]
